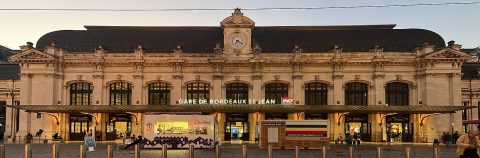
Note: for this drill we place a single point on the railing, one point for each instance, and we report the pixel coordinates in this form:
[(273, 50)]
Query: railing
[(137, 154)]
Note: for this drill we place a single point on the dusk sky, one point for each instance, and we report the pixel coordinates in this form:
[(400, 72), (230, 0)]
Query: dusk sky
[(453, 22)]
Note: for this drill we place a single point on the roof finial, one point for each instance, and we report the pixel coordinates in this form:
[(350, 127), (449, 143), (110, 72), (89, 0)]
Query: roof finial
[(237, 11)]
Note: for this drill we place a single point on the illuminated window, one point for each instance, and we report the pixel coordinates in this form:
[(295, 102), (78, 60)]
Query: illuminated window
[(159, 94), (356, 93), (120, 94), (276, 91), (316, 93), (237, 91), (198, 91), (396, 93), (81, 93)]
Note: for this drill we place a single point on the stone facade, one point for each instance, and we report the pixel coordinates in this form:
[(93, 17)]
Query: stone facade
[(432, 74)]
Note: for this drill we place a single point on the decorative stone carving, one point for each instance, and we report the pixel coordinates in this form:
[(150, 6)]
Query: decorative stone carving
[(119, 77), (454, 75), (197, 77), (337, 52), (256, 52), (177, 52), (297, 76), (297, 52), (256, 77), (177, 67), (217, 52), (377, 51), (97, 76), (317, 77), (297, 67), (217, 77), (79, 77), (399, 77), (217, 67), (257, 67), (378, 76), (100, 52), (138, 52), (138, 76), (337, 76), (237, 78), (177, 76), (237, 19), (357, 77), (277, 77), (158, 77)]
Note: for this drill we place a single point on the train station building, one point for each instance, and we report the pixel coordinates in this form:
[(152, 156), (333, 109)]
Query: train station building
[(368, 79)]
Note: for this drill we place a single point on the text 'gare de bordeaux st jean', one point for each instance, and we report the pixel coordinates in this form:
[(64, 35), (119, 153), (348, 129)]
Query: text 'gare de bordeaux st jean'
[(366, 79)]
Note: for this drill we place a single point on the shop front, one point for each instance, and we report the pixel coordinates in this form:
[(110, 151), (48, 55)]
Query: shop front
[(236, 127), (119, 126), (79, 125), (358, 124), (399, 128)]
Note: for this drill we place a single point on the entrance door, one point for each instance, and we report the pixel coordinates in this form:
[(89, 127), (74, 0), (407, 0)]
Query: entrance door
[(79, 126), (399, 129), (119, 126), (236, 127), (358, 124)]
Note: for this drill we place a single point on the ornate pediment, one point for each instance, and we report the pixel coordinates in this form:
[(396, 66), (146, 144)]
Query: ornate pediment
[(237, 19), (32, 55), (447, 54)]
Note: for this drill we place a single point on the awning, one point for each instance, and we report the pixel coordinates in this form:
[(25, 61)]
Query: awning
[(243, 108), (470, 122)]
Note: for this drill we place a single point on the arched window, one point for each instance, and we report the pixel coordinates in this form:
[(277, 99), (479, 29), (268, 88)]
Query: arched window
[(198, 91), (276, 91), (81, 93), (237, 91), (159, 93), (356, 93), (120, 93), (396, 93), (316, 93)]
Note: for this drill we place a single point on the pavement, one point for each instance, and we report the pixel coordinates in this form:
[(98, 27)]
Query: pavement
[(366, 150)]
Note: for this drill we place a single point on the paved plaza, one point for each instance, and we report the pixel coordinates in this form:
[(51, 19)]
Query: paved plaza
[(71, 150)]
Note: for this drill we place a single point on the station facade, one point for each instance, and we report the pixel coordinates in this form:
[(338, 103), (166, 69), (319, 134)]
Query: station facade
[(240, 63)]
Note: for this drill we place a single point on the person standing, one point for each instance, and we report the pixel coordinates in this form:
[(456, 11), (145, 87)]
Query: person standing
[(468, 145), (455, 137)]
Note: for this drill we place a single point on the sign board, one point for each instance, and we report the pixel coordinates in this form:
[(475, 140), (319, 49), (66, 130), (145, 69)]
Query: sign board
[(287, 100), (90, 143), (272, 135)]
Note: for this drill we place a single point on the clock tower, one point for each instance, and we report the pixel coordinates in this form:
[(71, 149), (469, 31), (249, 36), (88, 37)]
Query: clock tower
[(237, 34)]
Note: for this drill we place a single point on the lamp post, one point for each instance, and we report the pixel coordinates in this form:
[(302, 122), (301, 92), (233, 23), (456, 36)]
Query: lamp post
[(13, 103), (472, 74)]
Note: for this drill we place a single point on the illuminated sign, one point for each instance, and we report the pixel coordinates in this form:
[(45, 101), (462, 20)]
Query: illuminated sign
[(227, 101), (287, 100)]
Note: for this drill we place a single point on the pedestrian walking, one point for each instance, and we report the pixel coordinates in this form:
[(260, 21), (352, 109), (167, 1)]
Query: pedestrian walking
[(468, 145)]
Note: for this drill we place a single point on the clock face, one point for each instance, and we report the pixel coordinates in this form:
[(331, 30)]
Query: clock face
[(237, 41)]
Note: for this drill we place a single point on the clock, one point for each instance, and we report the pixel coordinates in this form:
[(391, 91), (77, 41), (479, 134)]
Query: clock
[(237, 41)]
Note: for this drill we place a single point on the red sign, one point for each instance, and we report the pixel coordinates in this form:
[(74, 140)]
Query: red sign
[(287, 100)]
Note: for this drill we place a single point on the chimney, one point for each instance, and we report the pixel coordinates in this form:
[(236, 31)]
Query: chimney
[(452, 45), (53, 49), (425, 49), (28, 46)]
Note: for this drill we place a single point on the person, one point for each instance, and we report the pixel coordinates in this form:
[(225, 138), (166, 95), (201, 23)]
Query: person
[(56, 136), (339, 139), (468, 145), (448, 138), (29, 138), (355, 139)]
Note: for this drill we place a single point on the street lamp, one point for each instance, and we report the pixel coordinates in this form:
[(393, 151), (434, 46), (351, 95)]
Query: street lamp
[(472, 74)]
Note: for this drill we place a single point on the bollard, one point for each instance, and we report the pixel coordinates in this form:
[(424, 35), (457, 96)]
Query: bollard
[(28, 151), (350, 152), (2, 151), (324, 152), (82, 152), (217, 151), (436, 153), (408, 152), (55, 151), (109, 151), (270, 152), (190, 151), (244, 151), (297, 152), (164, 150), (379, 152), (137, 151)]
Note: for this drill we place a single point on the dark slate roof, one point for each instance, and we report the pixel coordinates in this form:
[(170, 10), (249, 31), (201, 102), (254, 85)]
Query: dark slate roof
[(471, 70), (5, 53), (9, 71), (272, 39)]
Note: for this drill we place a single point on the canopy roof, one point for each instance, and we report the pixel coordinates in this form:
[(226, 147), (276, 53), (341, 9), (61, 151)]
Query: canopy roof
[(243, 108)]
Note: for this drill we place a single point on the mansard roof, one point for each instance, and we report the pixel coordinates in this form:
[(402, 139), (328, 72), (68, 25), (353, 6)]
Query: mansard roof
[(9, 71), (272, 39)]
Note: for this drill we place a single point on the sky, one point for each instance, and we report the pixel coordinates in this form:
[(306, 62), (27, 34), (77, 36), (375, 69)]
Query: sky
[(454, 22)]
